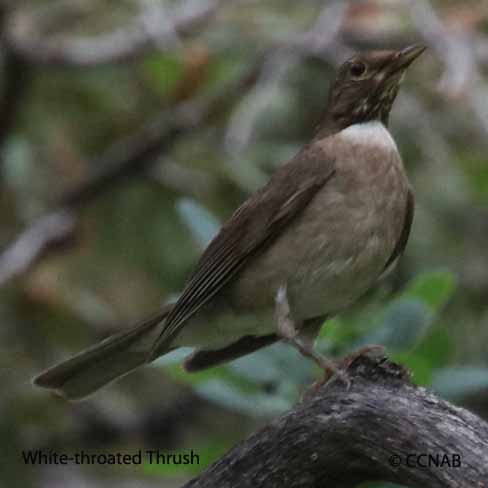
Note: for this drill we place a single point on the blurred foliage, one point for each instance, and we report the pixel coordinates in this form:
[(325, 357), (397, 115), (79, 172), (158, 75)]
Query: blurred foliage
[(134, 246)]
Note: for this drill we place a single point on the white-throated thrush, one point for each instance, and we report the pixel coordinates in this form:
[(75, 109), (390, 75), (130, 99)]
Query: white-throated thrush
[(317, 236)]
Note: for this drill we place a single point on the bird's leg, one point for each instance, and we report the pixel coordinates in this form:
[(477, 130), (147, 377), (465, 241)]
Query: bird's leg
[(289, 333)]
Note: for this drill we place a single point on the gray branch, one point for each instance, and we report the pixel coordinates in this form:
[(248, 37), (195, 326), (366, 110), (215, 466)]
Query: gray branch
[(383, 428), (150, 30)]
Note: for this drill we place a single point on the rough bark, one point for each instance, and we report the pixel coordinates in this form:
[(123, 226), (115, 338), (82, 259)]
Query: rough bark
[(382, 428)]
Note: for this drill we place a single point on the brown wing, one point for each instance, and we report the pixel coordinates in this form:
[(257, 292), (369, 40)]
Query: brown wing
[(252, 227), (407, 225)]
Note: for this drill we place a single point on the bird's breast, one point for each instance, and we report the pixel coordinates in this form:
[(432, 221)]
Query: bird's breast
[(338, 246)]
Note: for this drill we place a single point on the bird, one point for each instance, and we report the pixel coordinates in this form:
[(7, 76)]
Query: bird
[(325, 228)]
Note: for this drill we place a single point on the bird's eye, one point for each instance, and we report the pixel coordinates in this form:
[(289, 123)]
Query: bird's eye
[(357, 69)]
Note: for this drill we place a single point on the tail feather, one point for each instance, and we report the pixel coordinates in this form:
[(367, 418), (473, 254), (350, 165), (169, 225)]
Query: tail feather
[(100, 364)]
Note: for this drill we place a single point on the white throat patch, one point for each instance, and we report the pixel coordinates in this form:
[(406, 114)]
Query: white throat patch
[(372, 133)]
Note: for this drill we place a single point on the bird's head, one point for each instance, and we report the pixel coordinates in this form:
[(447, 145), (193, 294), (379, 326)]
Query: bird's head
[(366, 86)]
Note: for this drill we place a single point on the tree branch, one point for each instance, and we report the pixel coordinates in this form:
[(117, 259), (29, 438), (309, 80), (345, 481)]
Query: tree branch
[(125, 159), (27, 39), (382, 428)]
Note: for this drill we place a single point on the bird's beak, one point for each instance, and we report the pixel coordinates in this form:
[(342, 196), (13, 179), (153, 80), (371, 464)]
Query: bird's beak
[(407, 56)]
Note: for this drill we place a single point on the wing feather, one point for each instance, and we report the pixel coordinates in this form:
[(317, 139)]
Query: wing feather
[(404, 235), (250, 229)]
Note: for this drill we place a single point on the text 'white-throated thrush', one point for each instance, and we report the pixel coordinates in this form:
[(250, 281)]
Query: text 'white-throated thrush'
[(316, 237)]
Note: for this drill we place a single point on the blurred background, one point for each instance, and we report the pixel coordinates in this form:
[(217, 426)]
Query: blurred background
[(129, 130)]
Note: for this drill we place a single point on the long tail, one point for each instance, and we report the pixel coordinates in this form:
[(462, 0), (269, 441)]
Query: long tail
[(102, 363)]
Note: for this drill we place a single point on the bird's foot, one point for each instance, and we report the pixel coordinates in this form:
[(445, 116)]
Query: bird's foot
[(330, 374), (339, 369)]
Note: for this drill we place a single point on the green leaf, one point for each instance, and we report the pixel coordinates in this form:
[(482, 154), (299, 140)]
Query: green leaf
[(290, 365), (337, 334), (177, 373), (202, 224), (457, 382), (436, 347), (418, 365), (164, 70), (433, 288), (231, 397), (404, 325), (407, 319), (476, 172), (224, 68), (259, 367), (174, 357), (18, 160)]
